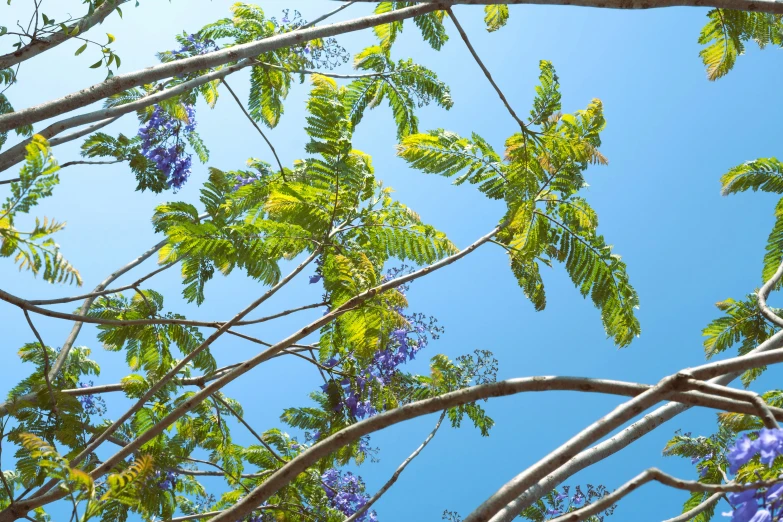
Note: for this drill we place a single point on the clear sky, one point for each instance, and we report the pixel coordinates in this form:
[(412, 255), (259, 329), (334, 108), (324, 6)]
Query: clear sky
[(670, 135)]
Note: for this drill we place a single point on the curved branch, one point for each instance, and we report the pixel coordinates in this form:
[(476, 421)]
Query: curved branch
[(654, 474), (763, 294), (354, 432), (133, 285), (701, 508), (614, 444), (41, 45)]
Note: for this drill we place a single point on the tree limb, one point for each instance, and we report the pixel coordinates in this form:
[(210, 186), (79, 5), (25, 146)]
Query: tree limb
[(397, 473), (122, 82), (484, 69), (654, 474), (41, 45)]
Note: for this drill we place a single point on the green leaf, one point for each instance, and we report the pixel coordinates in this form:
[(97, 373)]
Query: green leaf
[(495, 16), (81, 49)]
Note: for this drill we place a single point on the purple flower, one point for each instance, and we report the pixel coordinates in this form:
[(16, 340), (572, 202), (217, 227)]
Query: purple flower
[(774, 493), (741, 453), (762, 515), (769, 444), (578, 499), (345, 493), (163, 139), (741, 497), (314, 279), (744, 512)]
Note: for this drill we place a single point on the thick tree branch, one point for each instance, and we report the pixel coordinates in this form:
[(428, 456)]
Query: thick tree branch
[(617, 442), (40, 45), (763, 411), (122, 82), (763, 294), (16, 153), (762, 6)]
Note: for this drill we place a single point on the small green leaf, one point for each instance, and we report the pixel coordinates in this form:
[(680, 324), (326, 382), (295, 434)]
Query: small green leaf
[(80, 50), (96, 64)]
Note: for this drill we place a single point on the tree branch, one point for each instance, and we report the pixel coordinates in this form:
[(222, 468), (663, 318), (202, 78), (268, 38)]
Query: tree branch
[(66, 164), (762, 6), (122, 82), (763, 411), (253, 122), (397, 473), (475, 55), (701, 508), (40, 45), (614, 444), (654, 474), (196, 399)]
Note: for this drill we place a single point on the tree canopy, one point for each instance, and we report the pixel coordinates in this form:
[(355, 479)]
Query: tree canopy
[(144, 447)]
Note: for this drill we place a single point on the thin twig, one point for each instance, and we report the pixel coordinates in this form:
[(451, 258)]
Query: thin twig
[(64, 165), (484, 69), (249, 427), (327, 15), (397, 473), (253, 122), (46, 362)]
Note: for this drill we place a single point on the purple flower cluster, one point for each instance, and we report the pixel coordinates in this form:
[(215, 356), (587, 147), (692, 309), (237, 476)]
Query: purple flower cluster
[(564, 503), (765, 504), (241, 181), (163, 139), (168, 482), (88, 401), (403, 345), (768, 445), (192, 46), (345, 493), (701, 465)]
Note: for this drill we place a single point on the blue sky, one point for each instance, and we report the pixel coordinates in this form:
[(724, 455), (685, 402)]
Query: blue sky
[(670, 135)]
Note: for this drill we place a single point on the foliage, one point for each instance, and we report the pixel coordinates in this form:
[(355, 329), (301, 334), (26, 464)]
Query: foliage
[(35, 250), (546, 220), (330, 212)]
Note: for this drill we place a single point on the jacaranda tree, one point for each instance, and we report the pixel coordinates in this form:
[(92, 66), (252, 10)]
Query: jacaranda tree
[(328, 217)]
